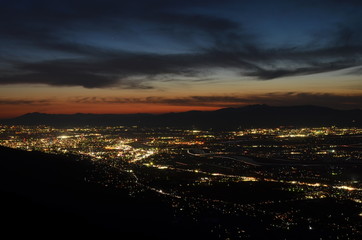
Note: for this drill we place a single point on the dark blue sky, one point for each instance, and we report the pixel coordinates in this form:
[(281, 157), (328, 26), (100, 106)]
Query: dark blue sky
[(161, 46)]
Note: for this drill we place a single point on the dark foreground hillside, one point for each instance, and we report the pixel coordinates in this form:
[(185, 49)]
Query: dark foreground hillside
[(45, 195)]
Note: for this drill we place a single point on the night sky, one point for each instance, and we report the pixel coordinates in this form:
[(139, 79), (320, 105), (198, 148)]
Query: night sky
[(99, 56)]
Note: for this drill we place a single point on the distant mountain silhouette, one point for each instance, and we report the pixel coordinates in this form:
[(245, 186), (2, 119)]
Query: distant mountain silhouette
[(226, 118)]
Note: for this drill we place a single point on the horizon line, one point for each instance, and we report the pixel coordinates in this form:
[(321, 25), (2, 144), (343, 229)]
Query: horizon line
[(149, 113)]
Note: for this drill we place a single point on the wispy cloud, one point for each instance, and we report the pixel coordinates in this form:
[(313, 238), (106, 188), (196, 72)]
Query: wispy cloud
[(214, 42), (22, 101), (274, 98)]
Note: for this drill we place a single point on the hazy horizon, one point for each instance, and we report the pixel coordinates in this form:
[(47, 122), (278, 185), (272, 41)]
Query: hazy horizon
[(262, 104)]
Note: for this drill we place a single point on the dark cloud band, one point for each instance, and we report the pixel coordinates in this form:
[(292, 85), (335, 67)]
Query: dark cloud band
[(214, 42), (275, 98)]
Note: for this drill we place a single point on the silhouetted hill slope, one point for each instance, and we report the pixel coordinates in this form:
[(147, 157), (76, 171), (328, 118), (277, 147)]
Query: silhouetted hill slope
[(45, 195), (227, 118)]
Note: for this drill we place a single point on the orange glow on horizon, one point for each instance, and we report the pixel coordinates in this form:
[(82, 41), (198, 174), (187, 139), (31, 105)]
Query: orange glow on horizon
[(11, 111)]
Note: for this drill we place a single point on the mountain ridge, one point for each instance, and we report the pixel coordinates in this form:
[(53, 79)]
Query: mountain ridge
[(261, 115)]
